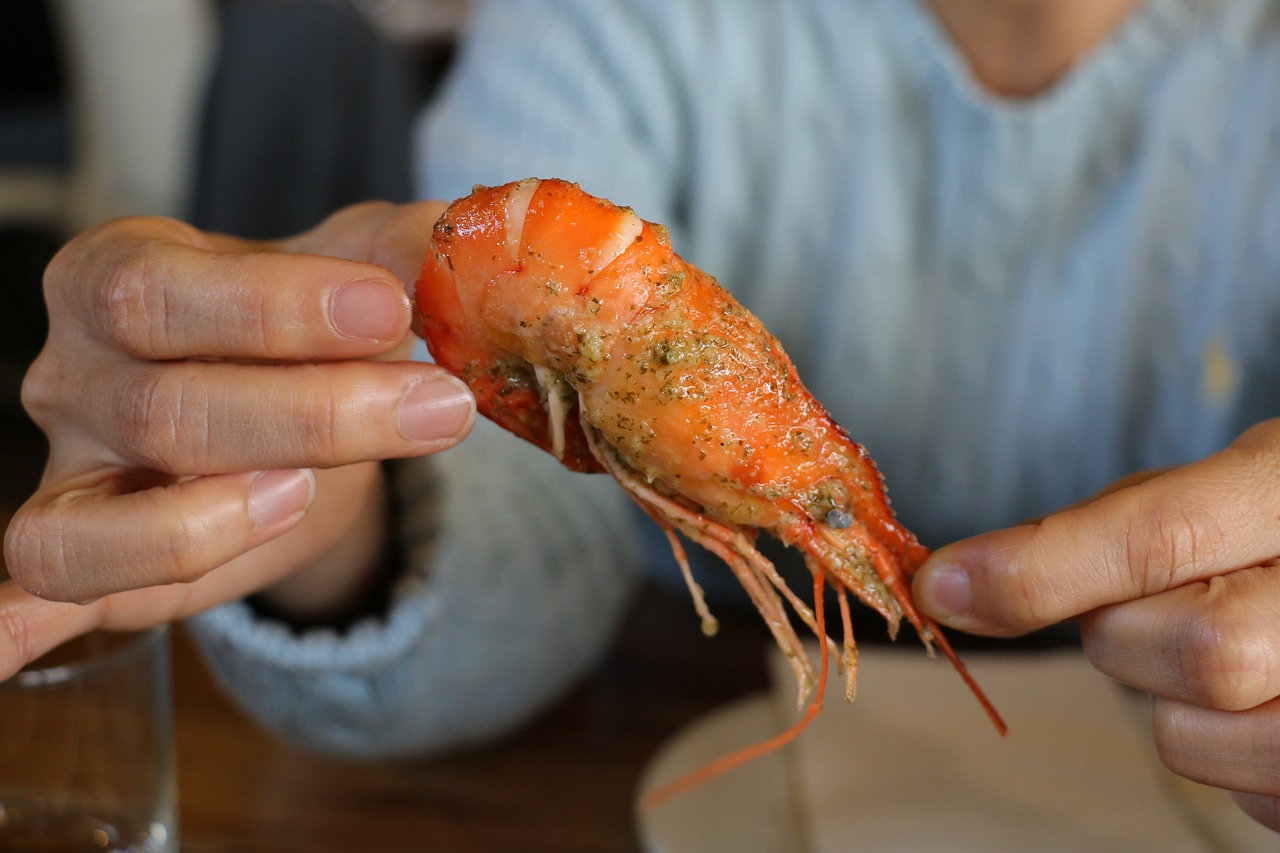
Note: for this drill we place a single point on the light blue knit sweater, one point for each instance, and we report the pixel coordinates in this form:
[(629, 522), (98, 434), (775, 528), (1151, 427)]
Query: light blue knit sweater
[(1010, 303)]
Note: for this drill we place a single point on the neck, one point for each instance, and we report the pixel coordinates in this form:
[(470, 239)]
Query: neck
[(1019, 48)]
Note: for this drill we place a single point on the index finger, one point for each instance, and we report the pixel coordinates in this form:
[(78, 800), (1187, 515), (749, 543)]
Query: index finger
[(31, 626), (159, 289), (1190, 523)]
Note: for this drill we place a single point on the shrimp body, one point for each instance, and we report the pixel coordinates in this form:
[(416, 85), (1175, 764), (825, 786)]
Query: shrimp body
[(581, 330)]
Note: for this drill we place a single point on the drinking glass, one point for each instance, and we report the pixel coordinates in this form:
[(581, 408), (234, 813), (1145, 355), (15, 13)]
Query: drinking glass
[(86, 748)]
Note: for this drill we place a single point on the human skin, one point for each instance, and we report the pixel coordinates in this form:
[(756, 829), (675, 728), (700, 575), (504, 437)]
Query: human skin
[(1020, 48), (180, 364), (1174, 579), (1172, 576), (216, 411), (146, 513)]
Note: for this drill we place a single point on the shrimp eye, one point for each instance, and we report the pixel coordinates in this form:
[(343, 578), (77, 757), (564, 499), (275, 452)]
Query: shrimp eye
[(839, 519)]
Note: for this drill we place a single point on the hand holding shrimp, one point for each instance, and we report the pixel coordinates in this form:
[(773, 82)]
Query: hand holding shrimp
[(579, 329), (215, 408), (1173, 576)]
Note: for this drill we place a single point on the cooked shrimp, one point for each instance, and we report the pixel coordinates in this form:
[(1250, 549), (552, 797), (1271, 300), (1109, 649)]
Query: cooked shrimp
[(579, 329)]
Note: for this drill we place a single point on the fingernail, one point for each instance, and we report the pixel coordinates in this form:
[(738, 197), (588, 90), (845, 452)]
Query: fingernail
[(439, 409), (277, 496), (945, 593), (368, 310)]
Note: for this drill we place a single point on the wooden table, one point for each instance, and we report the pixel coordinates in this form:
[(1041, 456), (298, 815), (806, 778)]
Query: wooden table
[(566, 783)]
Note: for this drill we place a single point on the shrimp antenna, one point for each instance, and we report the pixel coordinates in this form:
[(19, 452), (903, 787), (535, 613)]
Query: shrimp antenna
[(655, 797)]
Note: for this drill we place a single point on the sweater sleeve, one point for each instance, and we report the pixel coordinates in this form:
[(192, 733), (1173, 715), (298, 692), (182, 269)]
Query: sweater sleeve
[(517, 571), (517, 575), (574, 89)]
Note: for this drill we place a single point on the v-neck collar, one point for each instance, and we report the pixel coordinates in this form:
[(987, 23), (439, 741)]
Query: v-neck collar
[(1117, 62)]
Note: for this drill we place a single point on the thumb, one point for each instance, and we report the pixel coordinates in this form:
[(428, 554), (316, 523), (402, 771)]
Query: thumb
[(392, 236), (1190, 523)]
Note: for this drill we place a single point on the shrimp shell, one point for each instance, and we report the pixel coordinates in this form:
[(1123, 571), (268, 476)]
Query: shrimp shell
[(581, 330)]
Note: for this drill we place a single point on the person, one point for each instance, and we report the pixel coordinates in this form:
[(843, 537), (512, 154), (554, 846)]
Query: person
[(1025, 250)]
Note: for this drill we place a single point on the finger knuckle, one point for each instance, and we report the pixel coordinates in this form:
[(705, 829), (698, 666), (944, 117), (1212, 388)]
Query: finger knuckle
[(160, 416), (189, 545), (372, 209), (187, 542), (311, 416), (1032, 603), (1175, 734), (1228, 655), (320, 421), (34, 553), (1202, 746), (62, 273), (128, 307), (1024, 595), (1163, 546), (43, 388)]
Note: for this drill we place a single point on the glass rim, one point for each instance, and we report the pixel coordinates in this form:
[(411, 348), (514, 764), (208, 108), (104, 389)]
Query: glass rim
[(136, 643)]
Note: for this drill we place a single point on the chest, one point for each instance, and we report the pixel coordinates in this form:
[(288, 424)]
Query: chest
[(1017, 305)]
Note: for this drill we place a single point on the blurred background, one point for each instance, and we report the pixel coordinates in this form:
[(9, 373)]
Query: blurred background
[(255, 117)]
